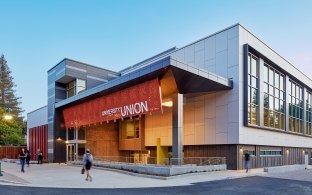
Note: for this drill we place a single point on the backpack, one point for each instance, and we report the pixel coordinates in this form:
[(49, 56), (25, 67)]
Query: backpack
[(247, 157), (88, 159)]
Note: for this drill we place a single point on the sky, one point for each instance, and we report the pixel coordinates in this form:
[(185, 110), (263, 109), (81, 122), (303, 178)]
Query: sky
[(113, 34)]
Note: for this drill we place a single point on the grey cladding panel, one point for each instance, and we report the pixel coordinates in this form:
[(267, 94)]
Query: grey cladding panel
[(92, 83), (76, 64), (77, 74)]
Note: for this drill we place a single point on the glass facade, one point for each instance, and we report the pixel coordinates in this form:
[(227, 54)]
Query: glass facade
[(274, 98), (283, 101), (75, 87), (81, 85), (70, 89), (308, 113), (295, 100), (253, 90)]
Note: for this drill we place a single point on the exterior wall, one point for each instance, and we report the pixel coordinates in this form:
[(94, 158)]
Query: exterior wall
[(58, 76), (291, 156), (134, 144), (248, 135), (218, 54), (103, 139), (36, 118), (159, 125), (228, 151), (54, 74), (205, 122), (38, 139), (10, 152)]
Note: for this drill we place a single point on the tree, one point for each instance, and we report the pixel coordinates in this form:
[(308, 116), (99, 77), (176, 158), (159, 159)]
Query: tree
[(10, 130)]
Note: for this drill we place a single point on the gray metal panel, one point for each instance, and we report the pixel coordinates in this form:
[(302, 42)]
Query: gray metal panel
[(177, 128), (245, 81)]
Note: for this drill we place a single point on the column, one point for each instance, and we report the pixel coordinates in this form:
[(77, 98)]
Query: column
[(304, 119), (286, 102), (261, 93), (177, 129)]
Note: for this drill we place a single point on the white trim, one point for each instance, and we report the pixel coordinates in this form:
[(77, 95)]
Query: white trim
[(96, 78), (75, 68)]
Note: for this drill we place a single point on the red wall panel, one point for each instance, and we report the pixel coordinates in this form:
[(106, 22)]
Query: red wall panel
[(139, 99), (38, 139)]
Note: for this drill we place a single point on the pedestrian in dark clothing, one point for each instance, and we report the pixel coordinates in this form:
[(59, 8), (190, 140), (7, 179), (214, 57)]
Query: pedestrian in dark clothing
[(247, 160), (87, 161), (28, 156), (39, 156), (22, 157)]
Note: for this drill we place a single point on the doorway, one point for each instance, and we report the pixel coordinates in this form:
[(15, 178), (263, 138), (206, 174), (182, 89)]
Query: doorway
[(70, 152)]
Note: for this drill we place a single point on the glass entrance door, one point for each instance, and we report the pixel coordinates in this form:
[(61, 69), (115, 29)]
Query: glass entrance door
[(70, 152)]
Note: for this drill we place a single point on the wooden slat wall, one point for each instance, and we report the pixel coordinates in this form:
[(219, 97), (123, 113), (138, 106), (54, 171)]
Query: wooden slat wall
[(293, 156), (103, 139), (227, 151), (10, 152)]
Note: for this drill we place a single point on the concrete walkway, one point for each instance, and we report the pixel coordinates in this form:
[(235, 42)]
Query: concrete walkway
[(65, 176)]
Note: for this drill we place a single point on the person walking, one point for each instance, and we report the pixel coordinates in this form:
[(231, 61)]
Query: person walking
[(39, 156), (87, 161), (22, 157), (247, 160), (28, 156)]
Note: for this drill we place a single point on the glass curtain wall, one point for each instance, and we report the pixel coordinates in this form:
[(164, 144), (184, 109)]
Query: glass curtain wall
[(295, 107), (253, 89), (274, 98)]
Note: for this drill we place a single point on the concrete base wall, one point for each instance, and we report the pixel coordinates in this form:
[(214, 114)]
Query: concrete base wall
[(282, 169), (158, 170)]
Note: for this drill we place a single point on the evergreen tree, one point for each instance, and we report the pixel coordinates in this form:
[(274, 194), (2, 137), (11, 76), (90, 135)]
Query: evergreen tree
[(10, 130)]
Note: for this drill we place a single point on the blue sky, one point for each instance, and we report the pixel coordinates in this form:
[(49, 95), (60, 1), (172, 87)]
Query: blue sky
[(36, 35)]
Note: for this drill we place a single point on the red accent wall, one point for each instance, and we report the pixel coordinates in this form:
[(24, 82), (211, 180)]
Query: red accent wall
[(139, 99), (38, 139)]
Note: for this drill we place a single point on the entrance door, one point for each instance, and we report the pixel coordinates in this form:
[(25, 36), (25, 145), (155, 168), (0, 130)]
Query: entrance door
[(70, 152)]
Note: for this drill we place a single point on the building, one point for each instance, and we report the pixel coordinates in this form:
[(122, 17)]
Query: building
[(37, 132), (216, 97)]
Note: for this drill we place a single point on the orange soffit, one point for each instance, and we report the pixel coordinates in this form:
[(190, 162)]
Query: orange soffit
[(139, 99)]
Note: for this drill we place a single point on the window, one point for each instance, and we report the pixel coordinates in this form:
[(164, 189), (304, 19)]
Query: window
[(270, 152), (75, 87), (130, 128), (253, 90), (295, 107), (308, 99), (274, 98), (71, 89), (81, 133), (81, 85), (71, 134)]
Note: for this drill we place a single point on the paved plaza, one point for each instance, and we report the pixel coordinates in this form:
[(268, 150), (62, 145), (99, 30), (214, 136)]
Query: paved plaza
[(65, 179)]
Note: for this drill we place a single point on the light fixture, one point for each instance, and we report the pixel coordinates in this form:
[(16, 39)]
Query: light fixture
[(167, 103), (8, 117), (59, 139)]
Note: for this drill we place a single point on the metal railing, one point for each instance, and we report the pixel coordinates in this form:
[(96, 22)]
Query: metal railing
[(153, 161)]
